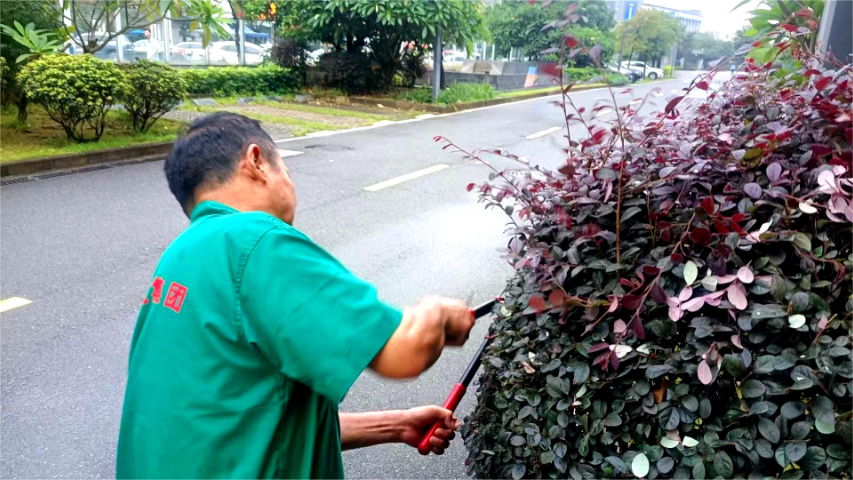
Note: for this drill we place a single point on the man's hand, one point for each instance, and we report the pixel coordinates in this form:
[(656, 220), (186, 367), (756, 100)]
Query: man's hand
[(360, 430), (428, 327), (416, 421)]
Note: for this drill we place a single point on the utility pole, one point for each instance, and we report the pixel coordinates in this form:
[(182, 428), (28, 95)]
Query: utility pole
[(436, 65), (621, 46)]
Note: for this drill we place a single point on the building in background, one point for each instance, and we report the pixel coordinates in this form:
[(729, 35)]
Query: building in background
[(625, 9), (691, 20)]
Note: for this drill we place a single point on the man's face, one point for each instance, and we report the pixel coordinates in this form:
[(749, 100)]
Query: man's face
[(148, 34), (282, 191)]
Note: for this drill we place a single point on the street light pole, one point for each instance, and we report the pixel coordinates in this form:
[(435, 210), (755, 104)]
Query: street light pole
[(436, 65)]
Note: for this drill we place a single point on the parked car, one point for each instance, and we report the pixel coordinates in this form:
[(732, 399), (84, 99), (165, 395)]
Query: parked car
[(632, 75), (226, 53), (190, 52), (109, 52), (651, 72)]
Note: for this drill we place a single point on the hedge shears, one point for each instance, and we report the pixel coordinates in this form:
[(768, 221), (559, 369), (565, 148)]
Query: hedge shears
[(458, 390)]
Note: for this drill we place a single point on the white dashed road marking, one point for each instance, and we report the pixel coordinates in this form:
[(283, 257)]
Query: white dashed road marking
[(543, 133), (406, 177)]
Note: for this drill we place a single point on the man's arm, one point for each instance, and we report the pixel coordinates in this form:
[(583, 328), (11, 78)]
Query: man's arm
[(423, 333), (360, 430)]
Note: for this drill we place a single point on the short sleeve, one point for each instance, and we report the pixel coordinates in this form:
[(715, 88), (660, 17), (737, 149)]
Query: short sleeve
[(317, 323)]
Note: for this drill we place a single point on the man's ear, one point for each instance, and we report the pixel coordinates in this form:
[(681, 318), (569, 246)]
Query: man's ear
[(253, 164)]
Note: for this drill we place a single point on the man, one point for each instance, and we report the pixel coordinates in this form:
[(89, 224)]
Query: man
[(251, 335), (152, 47)]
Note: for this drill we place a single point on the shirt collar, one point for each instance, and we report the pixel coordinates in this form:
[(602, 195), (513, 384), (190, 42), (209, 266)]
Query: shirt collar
[(209, 208)]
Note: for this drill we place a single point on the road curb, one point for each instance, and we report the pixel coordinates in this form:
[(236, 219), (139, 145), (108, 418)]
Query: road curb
[(77, 160), (403, 105)]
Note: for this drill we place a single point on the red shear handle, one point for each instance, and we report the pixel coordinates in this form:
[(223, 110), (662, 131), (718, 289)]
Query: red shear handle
[(450, 403)]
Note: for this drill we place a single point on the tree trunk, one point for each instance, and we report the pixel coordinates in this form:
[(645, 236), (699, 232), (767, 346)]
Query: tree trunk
[(22, 103)]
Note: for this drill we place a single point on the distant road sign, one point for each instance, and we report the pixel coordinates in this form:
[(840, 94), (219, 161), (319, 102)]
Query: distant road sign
[(630, 10)]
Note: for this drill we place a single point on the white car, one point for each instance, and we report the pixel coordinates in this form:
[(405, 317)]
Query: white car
[(191, 52), (226, 52), (651, 72)]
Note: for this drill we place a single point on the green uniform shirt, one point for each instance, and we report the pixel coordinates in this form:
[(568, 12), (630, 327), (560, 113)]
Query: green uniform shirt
[(248, 340)]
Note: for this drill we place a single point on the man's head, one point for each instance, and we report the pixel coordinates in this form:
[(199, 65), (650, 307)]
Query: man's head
[(148, 34), (229, 158)]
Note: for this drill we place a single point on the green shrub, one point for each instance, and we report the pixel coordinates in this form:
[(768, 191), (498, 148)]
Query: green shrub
[(76, 91), (418, 95), (466, 92), (581, 74), (351, 72), (616, 79), (682, 303), (4, 70), (229, 81), (154, 89), (667, 71)]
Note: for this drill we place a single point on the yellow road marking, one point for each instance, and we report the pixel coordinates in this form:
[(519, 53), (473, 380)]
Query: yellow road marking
[(406, 177), (544, 132), (13, 302)]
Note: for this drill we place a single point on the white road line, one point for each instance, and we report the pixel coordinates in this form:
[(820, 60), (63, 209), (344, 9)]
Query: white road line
[(543, 133), (13, 302), (406, 177), (289, 153)]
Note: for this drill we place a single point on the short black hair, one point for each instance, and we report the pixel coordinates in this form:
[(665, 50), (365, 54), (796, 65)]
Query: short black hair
[(208, 152)]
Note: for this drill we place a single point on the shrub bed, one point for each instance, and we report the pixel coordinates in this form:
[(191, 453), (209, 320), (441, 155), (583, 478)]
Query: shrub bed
[(228, 81), (76, 91), (682, 303), (154, 89), (456, 93)]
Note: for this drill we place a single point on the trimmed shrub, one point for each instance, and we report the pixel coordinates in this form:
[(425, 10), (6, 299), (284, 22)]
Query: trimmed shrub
[(289, 53), (227, 81), (466, 92), (581, 74), (683, 296), (351, 72), (76, 91), (154, 90)]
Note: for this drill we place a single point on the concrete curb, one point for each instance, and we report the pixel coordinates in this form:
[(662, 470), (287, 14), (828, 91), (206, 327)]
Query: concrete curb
[(41, 165), (403, 105)]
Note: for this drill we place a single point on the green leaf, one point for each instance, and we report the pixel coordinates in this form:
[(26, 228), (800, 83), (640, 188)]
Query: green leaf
[(612, 420), (705, 408), (699, 471), (793, 409), (800, 430), (655, 371), (753, 388), (518, 471), (665, 464), (723, 465), (813, 459), (803, 241), (640, 465), (763, 448), (768, 430), (547, 456), (825, 422), (629, 212), (517, 440), (690, 403), (795, 451), (691, 271)]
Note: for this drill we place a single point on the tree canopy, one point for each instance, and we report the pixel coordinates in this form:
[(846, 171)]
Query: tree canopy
[(381, 27), (704, 46), (518, 24), (650, 33)]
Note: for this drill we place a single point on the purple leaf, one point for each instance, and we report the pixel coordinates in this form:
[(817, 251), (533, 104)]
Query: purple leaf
[(694, 305), (675, 313), (685, 294), (753, 190), (745, 275), (595, 54), (774, 171), (619, 327), (704, 373), (737, 295)]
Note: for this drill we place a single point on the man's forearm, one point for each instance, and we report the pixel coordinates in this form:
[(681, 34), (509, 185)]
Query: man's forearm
[(369, 428)]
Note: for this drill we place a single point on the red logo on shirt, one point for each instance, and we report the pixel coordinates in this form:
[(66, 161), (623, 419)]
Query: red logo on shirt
[(175, 297)]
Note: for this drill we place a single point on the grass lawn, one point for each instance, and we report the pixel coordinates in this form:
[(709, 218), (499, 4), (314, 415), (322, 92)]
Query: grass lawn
[(300, 127), (42, 137), (301, 107)]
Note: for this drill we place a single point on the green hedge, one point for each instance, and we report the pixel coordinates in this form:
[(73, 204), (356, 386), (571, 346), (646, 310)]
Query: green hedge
[(585, 74), (456, 93), (227, 81)]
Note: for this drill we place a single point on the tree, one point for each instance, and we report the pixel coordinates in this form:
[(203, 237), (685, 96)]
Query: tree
[(650, 33), (704, 46), (79, 17), (518, 24), (381, 27), (11, 50)]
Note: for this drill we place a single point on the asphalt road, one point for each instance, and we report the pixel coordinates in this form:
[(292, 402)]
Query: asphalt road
[(82, 248)]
